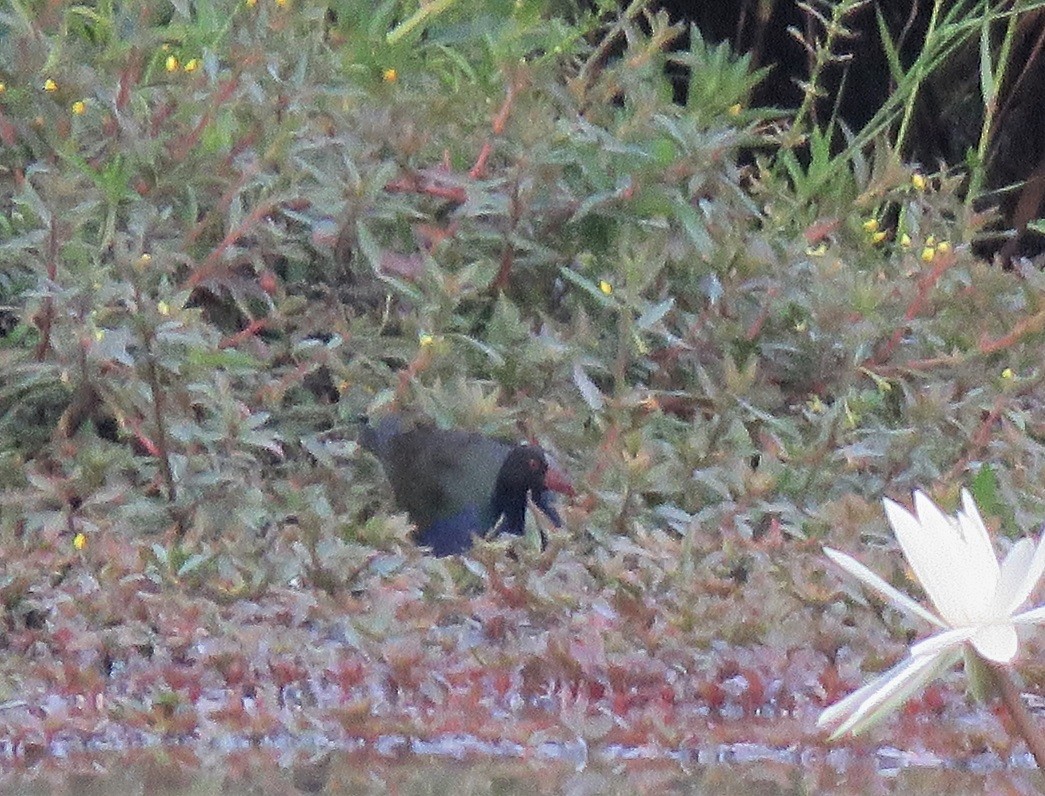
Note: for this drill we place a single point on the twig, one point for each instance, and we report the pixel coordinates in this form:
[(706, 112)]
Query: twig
[(210, 266), (979, 441), (422, 183), (941, 263), (252, 330), (602, 53), (508, 252), (46, 315), (181, 147), (500, 121), (1028, 326), (152, 374)]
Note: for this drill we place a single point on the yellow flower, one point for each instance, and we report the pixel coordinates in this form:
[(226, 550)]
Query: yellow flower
[(426, 340), (871, 225), (390, 75), (172, 64), (818, 251), (734, 110), (879, 236), (905, 241), (605, 287), (281, 3), (1007, 373), (80, 541), (144, 260), (163, 308), (944, 247), (192, 64), (3, 88), (928, 253), (50, 85), (918, 181), (79, 108)]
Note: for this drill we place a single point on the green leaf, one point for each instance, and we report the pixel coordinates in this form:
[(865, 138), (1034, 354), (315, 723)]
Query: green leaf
[(986, 64), (694, 227), (227, 358), (590, 392)]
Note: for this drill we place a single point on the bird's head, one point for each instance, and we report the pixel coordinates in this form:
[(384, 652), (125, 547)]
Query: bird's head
[(526, 470)]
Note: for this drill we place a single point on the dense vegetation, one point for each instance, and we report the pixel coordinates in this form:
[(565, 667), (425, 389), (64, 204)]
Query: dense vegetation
[(229, 229)]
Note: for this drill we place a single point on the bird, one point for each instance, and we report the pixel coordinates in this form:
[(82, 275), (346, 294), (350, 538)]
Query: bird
[(456, 485)]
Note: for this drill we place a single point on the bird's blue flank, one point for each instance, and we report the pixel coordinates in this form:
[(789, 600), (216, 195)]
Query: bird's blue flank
[(450, 536)]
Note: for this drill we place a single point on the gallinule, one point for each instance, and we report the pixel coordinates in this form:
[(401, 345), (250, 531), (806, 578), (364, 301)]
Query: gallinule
[(456, 485)]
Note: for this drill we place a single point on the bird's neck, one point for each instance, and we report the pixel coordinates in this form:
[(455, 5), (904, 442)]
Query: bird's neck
[(511, 504)]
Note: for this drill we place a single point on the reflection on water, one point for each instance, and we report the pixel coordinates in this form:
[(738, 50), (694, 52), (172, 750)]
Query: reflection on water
[(399, 769)]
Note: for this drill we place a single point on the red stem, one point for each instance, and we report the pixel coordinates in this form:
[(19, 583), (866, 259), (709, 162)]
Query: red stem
[(1010, 695)]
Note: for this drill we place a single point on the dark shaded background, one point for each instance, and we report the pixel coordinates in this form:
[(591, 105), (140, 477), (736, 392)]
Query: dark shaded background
[(949, 112)]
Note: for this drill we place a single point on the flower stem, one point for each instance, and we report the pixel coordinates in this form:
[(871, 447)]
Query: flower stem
[(1010, 695)]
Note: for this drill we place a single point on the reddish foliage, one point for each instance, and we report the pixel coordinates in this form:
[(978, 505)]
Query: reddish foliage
[(712, 694), (285, 671)]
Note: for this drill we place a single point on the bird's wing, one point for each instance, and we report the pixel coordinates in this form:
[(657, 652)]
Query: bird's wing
[(444, 475)]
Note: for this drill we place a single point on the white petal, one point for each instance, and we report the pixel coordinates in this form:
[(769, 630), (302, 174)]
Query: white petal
[(1031, 576), (1011, 590), (972, 567), (1034, 616), (968, 573), (844, 708), (896, 597), (975, 532), (934, 645), (997, 643), (932, 548), (867, 705)]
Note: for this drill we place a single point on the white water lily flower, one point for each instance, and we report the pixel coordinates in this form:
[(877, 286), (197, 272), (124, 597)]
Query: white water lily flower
[(976, 599)]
